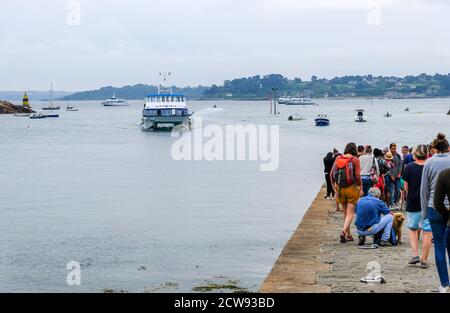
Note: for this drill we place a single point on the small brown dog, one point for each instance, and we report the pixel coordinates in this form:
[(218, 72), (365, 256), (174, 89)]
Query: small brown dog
[(397, 224)]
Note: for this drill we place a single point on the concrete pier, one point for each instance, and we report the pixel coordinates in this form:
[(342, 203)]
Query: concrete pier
[(314, 260)]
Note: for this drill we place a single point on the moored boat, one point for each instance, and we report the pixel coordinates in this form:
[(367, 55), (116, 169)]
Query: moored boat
[(114, 102), (322, 120), (35, 116), (295, 101), (360, 118), (51, 106)]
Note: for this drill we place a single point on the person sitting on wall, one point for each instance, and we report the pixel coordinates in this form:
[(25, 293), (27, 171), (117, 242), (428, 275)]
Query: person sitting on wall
[(372, 217)]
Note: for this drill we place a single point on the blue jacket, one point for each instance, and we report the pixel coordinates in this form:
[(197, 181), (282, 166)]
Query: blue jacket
[(368, 212)]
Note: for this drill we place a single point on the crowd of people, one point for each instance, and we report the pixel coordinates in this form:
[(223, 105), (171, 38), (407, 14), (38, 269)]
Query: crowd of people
[(374, 184)]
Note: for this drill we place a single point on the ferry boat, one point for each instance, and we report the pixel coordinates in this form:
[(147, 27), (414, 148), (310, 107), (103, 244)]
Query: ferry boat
[(360, 118), (114, 102), (165, 109), (287, 100), (322, 120)]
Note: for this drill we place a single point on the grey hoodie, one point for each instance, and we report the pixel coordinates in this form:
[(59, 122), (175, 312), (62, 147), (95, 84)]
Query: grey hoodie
[(431, 170)]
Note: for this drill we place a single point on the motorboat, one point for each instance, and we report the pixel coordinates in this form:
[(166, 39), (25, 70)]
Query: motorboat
[(322, 120), (387, 114), (295, 117), (114, 102), (165, 109), (35, 116), (360, 118)]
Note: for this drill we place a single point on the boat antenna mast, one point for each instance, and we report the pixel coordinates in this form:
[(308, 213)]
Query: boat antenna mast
[(163, 86), (51, 93)]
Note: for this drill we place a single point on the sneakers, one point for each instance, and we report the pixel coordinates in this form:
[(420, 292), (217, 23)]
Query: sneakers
[(414, 260), (424, 264), (385, 243), (444, 289)]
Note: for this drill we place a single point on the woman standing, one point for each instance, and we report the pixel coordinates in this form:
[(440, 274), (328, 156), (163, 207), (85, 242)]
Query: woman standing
[(431, 170), (346, 180), (412, 177)]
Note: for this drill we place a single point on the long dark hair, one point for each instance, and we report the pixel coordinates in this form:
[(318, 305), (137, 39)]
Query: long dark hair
[(440, 143), (351, 148)]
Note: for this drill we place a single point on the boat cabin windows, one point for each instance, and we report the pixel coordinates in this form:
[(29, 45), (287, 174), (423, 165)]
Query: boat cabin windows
[(165, 99), (166, 112)]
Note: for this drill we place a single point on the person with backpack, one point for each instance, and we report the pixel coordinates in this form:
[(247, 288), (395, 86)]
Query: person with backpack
[(383, 168), (369, 170), (346, 180)]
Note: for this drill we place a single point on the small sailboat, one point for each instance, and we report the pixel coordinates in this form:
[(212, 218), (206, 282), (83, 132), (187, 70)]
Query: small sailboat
[(322, 120), (360, 118), (70, 108), (51, 106)]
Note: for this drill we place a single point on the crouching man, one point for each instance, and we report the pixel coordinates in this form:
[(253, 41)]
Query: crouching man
[(373, 217)]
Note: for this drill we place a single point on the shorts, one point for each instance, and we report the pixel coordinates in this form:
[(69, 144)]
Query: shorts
[(348, 194), (414, 221)]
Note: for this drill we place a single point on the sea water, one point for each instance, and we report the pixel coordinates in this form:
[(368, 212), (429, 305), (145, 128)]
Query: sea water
[(91, 187)]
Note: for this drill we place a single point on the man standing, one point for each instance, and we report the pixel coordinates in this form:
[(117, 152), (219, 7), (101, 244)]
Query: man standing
[(373, 216), (396, 172)]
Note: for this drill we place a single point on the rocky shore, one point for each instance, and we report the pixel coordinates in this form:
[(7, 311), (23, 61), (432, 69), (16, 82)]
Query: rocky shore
[(9, 108)]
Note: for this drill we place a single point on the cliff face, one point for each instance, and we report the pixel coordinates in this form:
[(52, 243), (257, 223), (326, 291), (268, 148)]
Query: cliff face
[(9, 108)]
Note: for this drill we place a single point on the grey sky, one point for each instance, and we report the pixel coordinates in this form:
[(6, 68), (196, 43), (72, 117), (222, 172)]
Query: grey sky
[(207, 41)]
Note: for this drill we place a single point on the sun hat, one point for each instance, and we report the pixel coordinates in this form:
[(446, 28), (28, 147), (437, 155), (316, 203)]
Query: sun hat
[(388, 156)]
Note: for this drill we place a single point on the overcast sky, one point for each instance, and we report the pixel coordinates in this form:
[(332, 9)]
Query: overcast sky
[(121, 42)]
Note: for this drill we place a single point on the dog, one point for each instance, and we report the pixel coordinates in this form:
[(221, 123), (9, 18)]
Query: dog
[(397, 224)]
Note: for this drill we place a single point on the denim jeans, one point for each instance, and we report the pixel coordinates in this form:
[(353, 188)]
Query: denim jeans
[(441, 237), (384, 225), (394, 190), (366, 184)]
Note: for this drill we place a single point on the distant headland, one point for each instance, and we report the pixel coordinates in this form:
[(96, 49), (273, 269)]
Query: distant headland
[(262, 87)]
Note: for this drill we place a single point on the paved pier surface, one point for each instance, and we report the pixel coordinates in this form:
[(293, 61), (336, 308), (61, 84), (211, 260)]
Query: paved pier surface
[(314, 260)]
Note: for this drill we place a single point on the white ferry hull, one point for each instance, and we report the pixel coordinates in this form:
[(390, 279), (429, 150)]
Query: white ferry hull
[(115, 104), (149, 123)]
